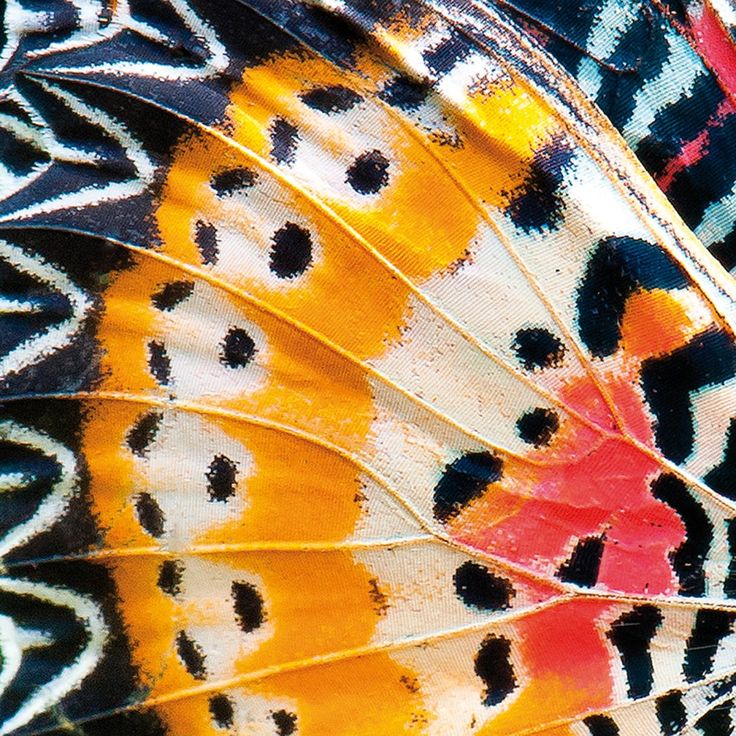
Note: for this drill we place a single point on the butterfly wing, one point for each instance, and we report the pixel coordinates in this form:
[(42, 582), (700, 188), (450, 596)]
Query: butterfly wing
[(386, 394)]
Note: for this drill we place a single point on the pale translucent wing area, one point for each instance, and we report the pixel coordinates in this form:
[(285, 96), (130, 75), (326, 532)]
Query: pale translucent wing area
[(357, 382)]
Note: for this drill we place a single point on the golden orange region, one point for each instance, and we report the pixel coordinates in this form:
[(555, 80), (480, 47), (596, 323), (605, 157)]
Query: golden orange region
[(655, 323)]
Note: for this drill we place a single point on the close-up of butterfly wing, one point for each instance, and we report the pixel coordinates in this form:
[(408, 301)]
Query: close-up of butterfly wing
[(356, 378)]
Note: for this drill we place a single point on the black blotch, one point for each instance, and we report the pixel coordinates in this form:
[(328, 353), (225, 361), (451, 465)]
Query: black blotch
[(601, 726), (159, 362), (150, 515), (618, 267), (205, 236), (725, 250), (233, 180), (238, 348), (221, 710), (172, 294), (191, 656), (537, 203), (405, 93), (537, 427), (248, 606), (291, 253), (463, 480), (710, 628), (368, 174), (722, 478), (169, 577), (689, 557), (493, 666), (447, 53), (671, 712), (285, 722), (717, 721), (708, 359), (536, 347), (477, 586), (221, 478), (284, 140), (729, 585), (144, 432), (333, 98), (632, 634), (584, 563)]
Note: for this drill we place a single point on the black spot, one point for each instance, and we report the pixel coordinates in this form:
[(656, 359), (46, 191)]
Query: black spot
[(159, 362), (233, 180), (618, 267), (144, 432), (671, 713), (238, 348), (191, 656), (169, 577), (477, 586), (463, 480), (493, 666), (405, 93), (284, 140), (447, 53), (717, 721), (368, 174), (285, 722), (248, 606), (172, 294), (537, 427), (722, 478), (205, 236), (221, 478), (584, 563), (710, 628), (536, 347), (601, 726), (333, 98), (291, 253), (632, 634), (729, 585), (221, 710), (725, 251), (150, 515), (537, 203), (689, 557), (668, 382)]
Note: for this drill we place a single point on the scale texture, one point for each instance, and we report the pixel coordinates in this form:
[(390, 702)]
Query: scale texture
[(356, 379)]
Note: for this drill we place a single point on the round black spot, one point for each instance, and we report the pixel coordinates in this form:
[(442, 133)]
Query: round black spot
[(284, 141), (291, 253), (493, 666), (144, 432), (221, 710), (248, 606), (221, 478), (537, 427), (150, 515), (477, 586), (205, 236), (405, 93), (368, 174), (159, 362), (169, 577), (463, 480), (191, 655), (285, 722), (233, 180), (538, 348), (172, 294), (238, 348), (331, 99)]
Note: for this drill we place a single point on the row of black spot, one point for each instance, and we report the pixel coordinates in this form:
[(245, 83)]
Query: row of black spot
[(223, 715)]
